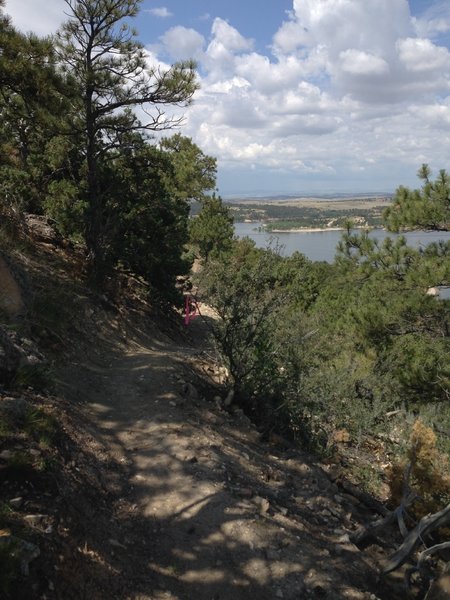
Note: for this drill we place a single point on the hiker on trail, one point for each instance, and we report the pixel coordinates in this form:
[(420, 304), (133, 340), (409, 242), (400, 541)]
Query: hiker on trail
[(191, 309)]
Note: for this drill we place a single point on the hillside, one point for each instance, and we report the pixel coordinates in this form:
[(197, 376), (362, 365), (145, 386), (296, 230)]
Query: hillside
[(297, 213), (125, 475)]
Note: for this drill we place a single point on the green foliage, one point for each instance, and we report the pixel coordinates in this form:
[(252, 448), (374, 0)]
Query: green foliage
[(26, 419), (379, 306), (247, 296), (148, 226), (419, 365), (32, 105), (73, 147), (349, 343), (111, 77), (427, 208), (212, 230), (64, 206), (193, 173)]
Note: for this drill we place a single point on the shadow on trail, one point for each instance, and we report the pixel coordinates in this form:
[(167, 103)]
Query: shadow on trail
[(182, 502)]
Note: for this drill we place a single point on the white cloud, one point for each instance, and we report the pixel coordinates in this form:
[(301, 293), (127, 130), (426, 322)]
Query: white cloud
[(334, 96), (182, 43), (435, 116), (354, 90), (341, 24), (357, 62), (266, 76), (161, 12), (290, 36), (30, 15), (228, 37), (420, 54), (226, 44)]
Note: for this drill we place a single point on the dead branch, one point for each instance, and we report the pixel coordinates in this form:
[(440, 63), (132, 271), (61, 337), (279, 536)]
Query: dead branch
[(429, 551), (425, 526)]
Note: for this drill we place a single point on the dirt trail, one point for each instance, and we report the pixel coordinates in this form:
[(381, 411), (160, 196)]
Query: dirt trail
[(199, 508)]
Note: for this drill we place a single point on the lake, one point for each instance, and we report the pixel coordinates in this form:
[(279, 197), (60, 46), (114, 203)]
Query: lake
[(321, 245)]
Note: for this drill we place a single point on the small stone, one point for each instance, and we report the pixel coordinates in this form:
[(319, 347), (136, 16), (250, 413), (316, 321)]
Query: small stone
[(341, 436), (344, 539), (16, 502), (263, 504), (34, 520), (34, 452), (6, 454)]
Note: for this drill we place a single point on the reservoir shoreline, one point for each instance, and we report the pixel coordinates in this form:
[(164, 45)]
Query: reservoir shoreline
[(320, 243)]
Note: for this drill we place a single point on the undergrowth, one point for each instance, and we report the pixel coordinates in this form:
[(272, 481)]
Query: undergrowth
[(427, 469)]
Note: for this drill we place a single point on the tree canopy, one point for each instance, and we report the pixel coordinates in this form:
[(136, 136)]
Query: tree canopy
[(212, 230), (77, 113), (100, 53), (427, 208)]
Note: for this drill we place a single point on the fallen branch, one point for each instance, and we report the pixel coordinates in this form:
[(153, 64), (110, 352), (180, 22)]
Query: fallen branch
[(425, 526), (381, 524), (429, 551)]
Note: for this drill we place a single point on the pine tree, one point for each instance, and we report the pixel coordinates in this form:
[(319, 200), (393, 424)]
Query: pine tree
[(212, 231), (32, 107), (109, 68), (427, 208), (193, 173)]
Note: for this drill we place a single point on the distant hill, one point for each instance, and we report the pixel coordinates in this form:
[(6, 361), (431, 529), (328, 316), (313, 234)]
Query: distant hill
[(300, 197)]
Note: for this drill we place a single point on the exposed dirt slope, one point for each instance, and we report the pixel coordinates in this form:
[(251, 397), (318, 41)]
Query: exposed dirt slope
[(200, 509)]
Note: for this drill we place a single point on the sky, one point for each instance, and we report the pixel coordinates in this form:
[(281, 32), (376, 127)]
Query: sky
[(302, 96)]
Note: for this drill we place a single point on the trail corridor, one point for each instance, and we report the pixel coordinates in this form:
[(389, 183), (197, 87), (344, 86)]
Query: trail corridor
[(198, 508)]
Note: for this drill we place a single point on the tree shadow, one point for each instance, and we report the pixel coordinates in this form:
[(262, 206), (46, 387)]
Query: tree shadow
[(165, 496)]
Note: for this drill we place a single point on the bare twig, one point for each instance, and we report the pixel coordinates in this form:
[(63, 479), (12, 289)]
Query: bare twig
[(425, 526), (429, 551)]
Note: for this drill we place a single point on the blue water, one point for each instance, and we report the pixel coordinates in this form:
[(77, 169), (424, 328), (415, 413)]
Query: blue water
[(322, 245)]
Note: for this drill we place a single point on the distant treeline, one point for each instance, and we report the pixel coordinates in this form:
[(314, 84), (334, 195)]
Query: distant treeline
[(294, 215)]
